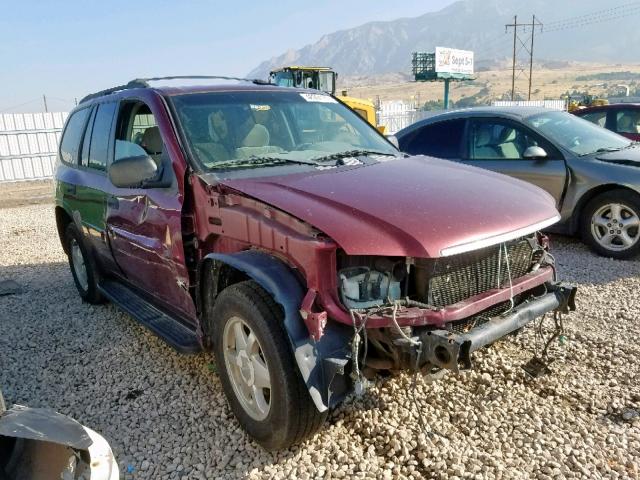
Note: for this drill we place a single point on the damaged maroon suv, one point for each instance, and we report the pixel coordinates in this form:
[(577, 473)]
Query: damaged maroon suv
[(277, 228)]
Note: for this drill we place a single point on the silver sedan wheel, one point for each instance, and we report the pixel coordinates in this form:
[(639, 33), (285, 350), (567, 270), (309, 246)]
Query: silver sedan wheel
[(79, 267), (247, 367), (615, 226)]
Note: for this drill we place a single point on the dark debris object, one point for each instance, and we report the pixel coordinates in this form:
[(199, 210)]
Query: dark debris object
[(536, 368)]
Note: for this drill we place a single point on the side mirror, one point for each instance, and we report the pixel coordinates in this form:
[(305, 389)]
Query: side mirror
[(534, 153), (132, 172), (393, 140)]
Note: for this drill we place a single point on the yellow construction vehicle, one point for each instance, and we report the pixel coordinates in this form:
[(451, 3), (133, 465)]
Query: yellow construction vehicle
[(324, 79), (580, 101)]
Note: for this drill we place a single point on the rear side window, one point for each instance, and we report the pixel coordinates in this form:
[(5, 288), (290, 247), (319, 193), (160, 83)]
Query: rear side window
[(441, 140), (101, 136), (70, 143), (599, 118)]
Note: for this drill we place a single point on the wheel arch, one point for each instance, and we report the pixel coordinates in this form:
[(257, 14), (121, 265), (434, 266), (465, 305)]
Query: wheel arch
[(322, 363), (589, 195), (63, 219)]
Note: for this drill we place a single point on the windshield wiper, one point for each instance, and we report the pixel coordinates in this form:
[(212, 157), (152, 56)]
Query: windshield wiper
[(352, 153), (256, 161), (602, 150)]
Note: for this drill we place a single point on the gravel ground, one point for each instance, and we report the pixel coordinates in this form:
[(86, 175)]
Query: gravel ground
[(166, 417)]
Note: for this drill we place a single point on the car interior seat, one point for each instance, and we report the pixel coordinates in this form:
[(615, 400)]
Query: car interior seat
[(507, 143), (152, 143), (256, 143), (483, 146)]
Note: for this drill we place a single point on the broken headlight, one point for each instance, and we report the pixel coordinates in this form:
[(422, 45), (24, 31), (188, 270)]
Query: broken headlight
[(372, 285)]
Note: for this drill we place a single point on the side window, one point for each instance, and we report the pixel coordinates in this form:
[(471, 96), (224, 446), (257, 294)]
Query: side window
[(599, 118), (70, 143), (628, 121), (101, 136), (86, 142), (494, 140), (441, 140), (137, 133)]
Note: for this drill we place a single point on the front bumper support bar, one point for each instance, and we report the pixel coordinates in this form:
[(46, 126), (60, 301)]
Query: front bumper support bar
[(446, 349)]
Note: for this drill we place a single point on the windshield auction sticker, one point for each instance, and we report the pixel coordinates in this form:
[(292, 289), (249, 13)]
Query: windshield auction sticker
[(318, 98)]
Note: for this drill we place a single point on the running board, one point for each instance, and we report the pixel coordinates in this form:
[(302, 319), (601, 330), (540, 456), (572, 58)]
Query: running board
[(175, 333)]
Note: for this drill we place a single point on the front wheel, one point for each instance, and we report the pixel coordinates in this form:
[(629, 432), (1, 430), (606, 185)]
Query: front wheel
[(611, 224), (257, 368)]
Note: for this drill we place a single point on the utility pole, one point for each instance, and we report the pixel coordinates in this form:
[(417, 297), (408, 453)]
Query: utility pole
[(533, 31), (44, 99), (529, 49), (513, 68)]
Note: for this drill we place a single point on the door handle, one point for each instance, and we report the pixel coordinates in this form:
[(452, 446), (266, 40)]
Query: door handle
[(113, 202)]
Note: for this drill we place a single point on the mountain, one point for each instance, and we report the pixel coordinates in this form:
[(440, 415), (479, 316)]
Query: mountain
[(479, 25)]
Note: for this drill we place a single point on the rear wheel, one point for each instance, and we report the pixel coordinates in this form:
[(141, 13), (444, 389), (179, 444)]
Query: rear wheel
[(83, 266), (611, 224), (257, 368)]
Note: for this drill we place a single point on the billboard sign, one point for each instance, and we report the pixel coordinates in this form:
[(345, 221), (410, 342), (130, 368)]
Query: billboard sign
[(450, 60)]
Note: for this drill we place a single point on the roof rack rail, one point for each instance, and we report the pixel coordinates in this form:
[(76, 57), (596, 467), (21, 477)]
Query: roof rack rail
[(144, 83)]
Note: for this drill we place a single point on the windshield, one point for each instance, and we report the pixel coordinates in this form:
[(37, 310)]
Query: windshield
[(261, 128), (578, 135)]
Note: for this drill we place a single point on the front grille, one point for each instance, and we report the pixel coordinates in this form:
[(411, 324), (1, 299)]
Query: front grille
[(456, 278), (466, 324)]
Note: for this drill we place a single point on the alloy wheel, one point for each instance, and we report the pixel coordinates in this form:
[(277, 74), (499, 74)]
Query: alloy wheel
[(247, 368), (615, 226)]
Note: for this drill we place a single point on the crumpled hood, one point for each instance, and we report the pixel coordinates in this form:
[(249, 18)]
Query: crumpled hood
[(417, 206)]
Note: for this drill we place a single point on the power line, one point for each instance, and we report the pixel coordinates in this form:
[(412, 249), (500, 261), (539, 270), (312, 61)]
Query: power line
[(21, 104), (595, 21), (586, 16)]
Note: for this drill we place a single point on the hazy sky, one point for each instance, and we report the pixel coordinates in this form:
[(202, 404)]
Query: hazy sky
[(69, 48)]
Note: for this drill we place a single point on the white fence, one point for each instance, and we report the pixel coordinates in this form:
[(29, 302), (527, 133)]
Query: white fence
[(397, 115), (28, 144), (550, 104)]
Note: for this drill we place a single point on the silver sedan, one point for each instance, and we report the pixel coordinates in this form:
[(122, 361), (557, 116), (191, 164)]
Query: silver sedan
[(593, 174)]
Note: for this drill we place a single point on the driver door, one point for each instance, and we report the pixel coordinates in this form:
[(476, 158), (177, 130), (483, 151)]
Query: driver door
[(499, 145), (144, 224)]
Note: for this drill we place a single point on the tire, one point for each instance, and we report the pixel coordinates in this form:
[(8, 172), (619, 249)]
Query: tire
[(610, 224), (283, 413), (80, 260)]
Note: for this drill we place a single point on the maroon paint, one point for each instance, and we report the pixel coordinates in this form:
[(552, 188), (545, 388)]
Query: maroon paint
[(414, 207)]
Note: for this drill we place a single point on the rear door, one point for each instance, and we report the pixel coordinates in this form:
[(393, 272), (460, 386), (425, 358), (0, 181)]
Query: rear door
[(92, 192), (82, 187), (499, 144)]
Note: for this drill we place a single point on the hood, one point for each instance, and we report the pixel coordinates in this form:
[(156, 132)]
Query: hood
[(416, 206), (626, 156)]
